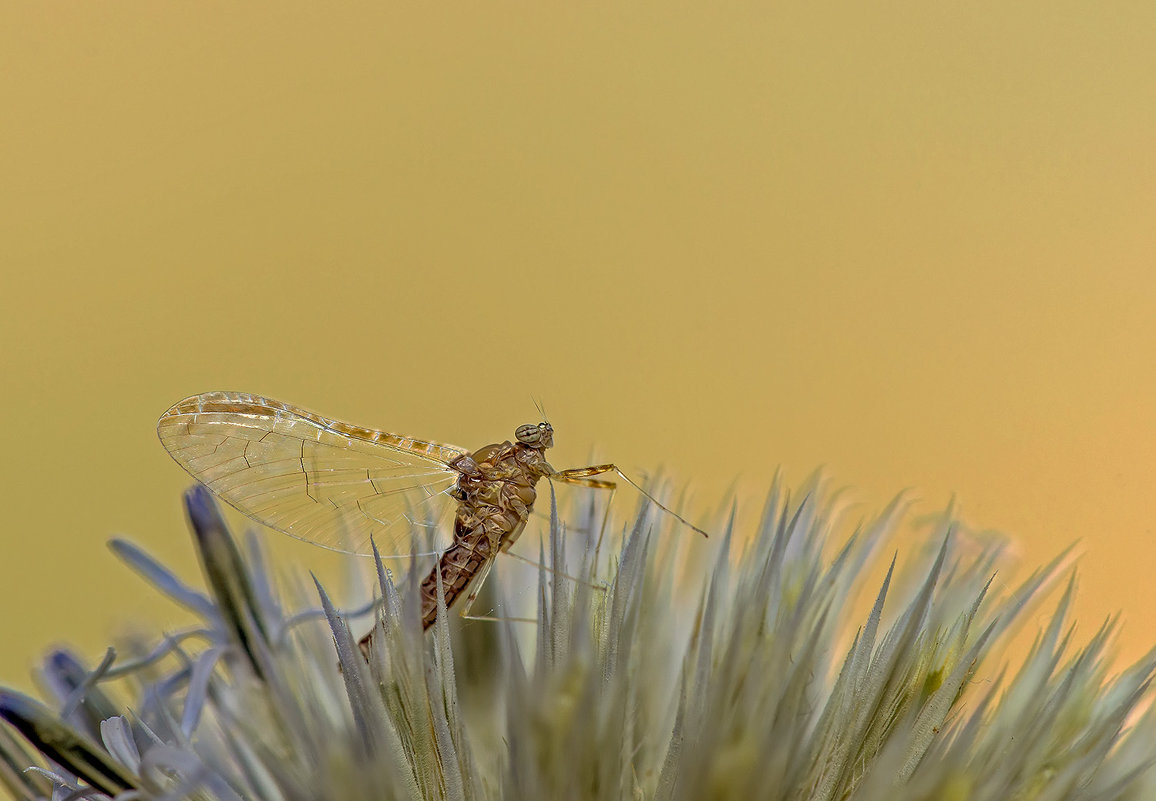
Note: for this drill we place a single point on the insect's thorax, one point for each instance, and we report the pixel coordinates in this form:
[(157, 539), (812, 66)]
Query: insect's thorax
[(505, 463), (496, 490)]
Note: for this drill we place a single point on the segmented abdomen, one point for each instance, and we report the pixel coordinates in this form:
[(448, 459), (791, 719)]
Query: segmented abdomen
[(458, 566)]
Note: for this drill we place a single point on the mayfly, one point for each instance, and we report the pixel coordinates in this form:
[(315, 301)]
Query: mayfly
[(342, 487)]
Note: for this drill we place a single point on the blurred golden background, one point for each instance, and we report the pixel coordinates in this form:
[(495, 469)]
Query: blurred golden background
[(912, 244)]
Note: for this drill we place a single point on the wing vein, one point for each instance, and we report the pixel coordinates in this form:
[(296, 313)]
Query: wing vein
[(331, 483)]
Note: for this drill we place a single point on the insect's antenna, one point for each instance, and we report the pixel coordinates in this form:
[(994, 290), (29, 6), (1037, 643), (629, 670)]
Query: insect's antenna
[(541, 407)]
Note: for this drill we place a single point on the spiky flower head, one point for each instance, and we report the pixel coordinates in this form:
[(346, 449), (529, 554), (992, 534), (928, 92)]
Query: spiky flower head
[(667, 671)]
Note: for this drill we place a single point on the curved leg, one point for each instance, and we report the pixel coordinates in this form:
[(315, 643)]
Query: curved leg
[(578, 475)]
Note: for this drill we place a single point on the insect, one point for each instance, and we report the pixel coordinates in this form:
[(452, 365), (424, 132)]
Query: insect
[(339, 486)]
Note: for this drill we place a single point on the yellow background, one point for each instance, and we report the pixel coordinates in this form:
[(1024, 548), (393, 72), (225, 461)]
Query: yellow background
[(913, 243)]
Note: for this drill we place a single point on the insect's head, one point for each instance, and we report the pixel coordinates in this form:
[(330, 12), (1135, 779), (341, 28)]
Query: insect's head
[(536, 435)]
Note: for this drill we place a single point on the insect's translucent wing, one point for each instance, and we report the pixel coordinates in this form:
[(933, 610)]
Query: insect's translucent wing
[(320, 480)]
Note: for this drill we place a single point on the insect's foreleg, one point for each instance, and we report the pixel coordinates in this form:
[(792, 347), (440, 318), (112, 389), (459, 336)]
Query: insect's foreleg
[(570, 476), (577, 476), (582, 472), (593, 483)]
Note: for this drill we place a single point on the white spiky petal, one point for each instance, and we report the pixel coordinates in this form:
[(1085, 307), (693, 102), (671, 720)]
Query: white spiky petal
[(738, 668)]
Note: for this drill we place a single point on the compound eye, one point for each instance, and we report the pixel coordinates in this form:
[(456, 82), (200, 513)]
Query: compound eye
[(528, 434)]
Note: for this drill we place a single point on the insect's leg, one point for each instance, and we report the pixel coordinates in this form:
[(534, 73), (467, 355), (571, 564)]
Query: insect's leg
[(577, 476), (476, 587), (566, 476), (595, 483), (602, 587), (605, 521), (581, 472), (598, 484)]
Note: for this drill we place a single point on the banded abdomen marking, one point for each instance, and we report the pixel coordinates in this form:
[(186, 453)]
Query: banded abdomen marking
[(478, 530), (458, 566)]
